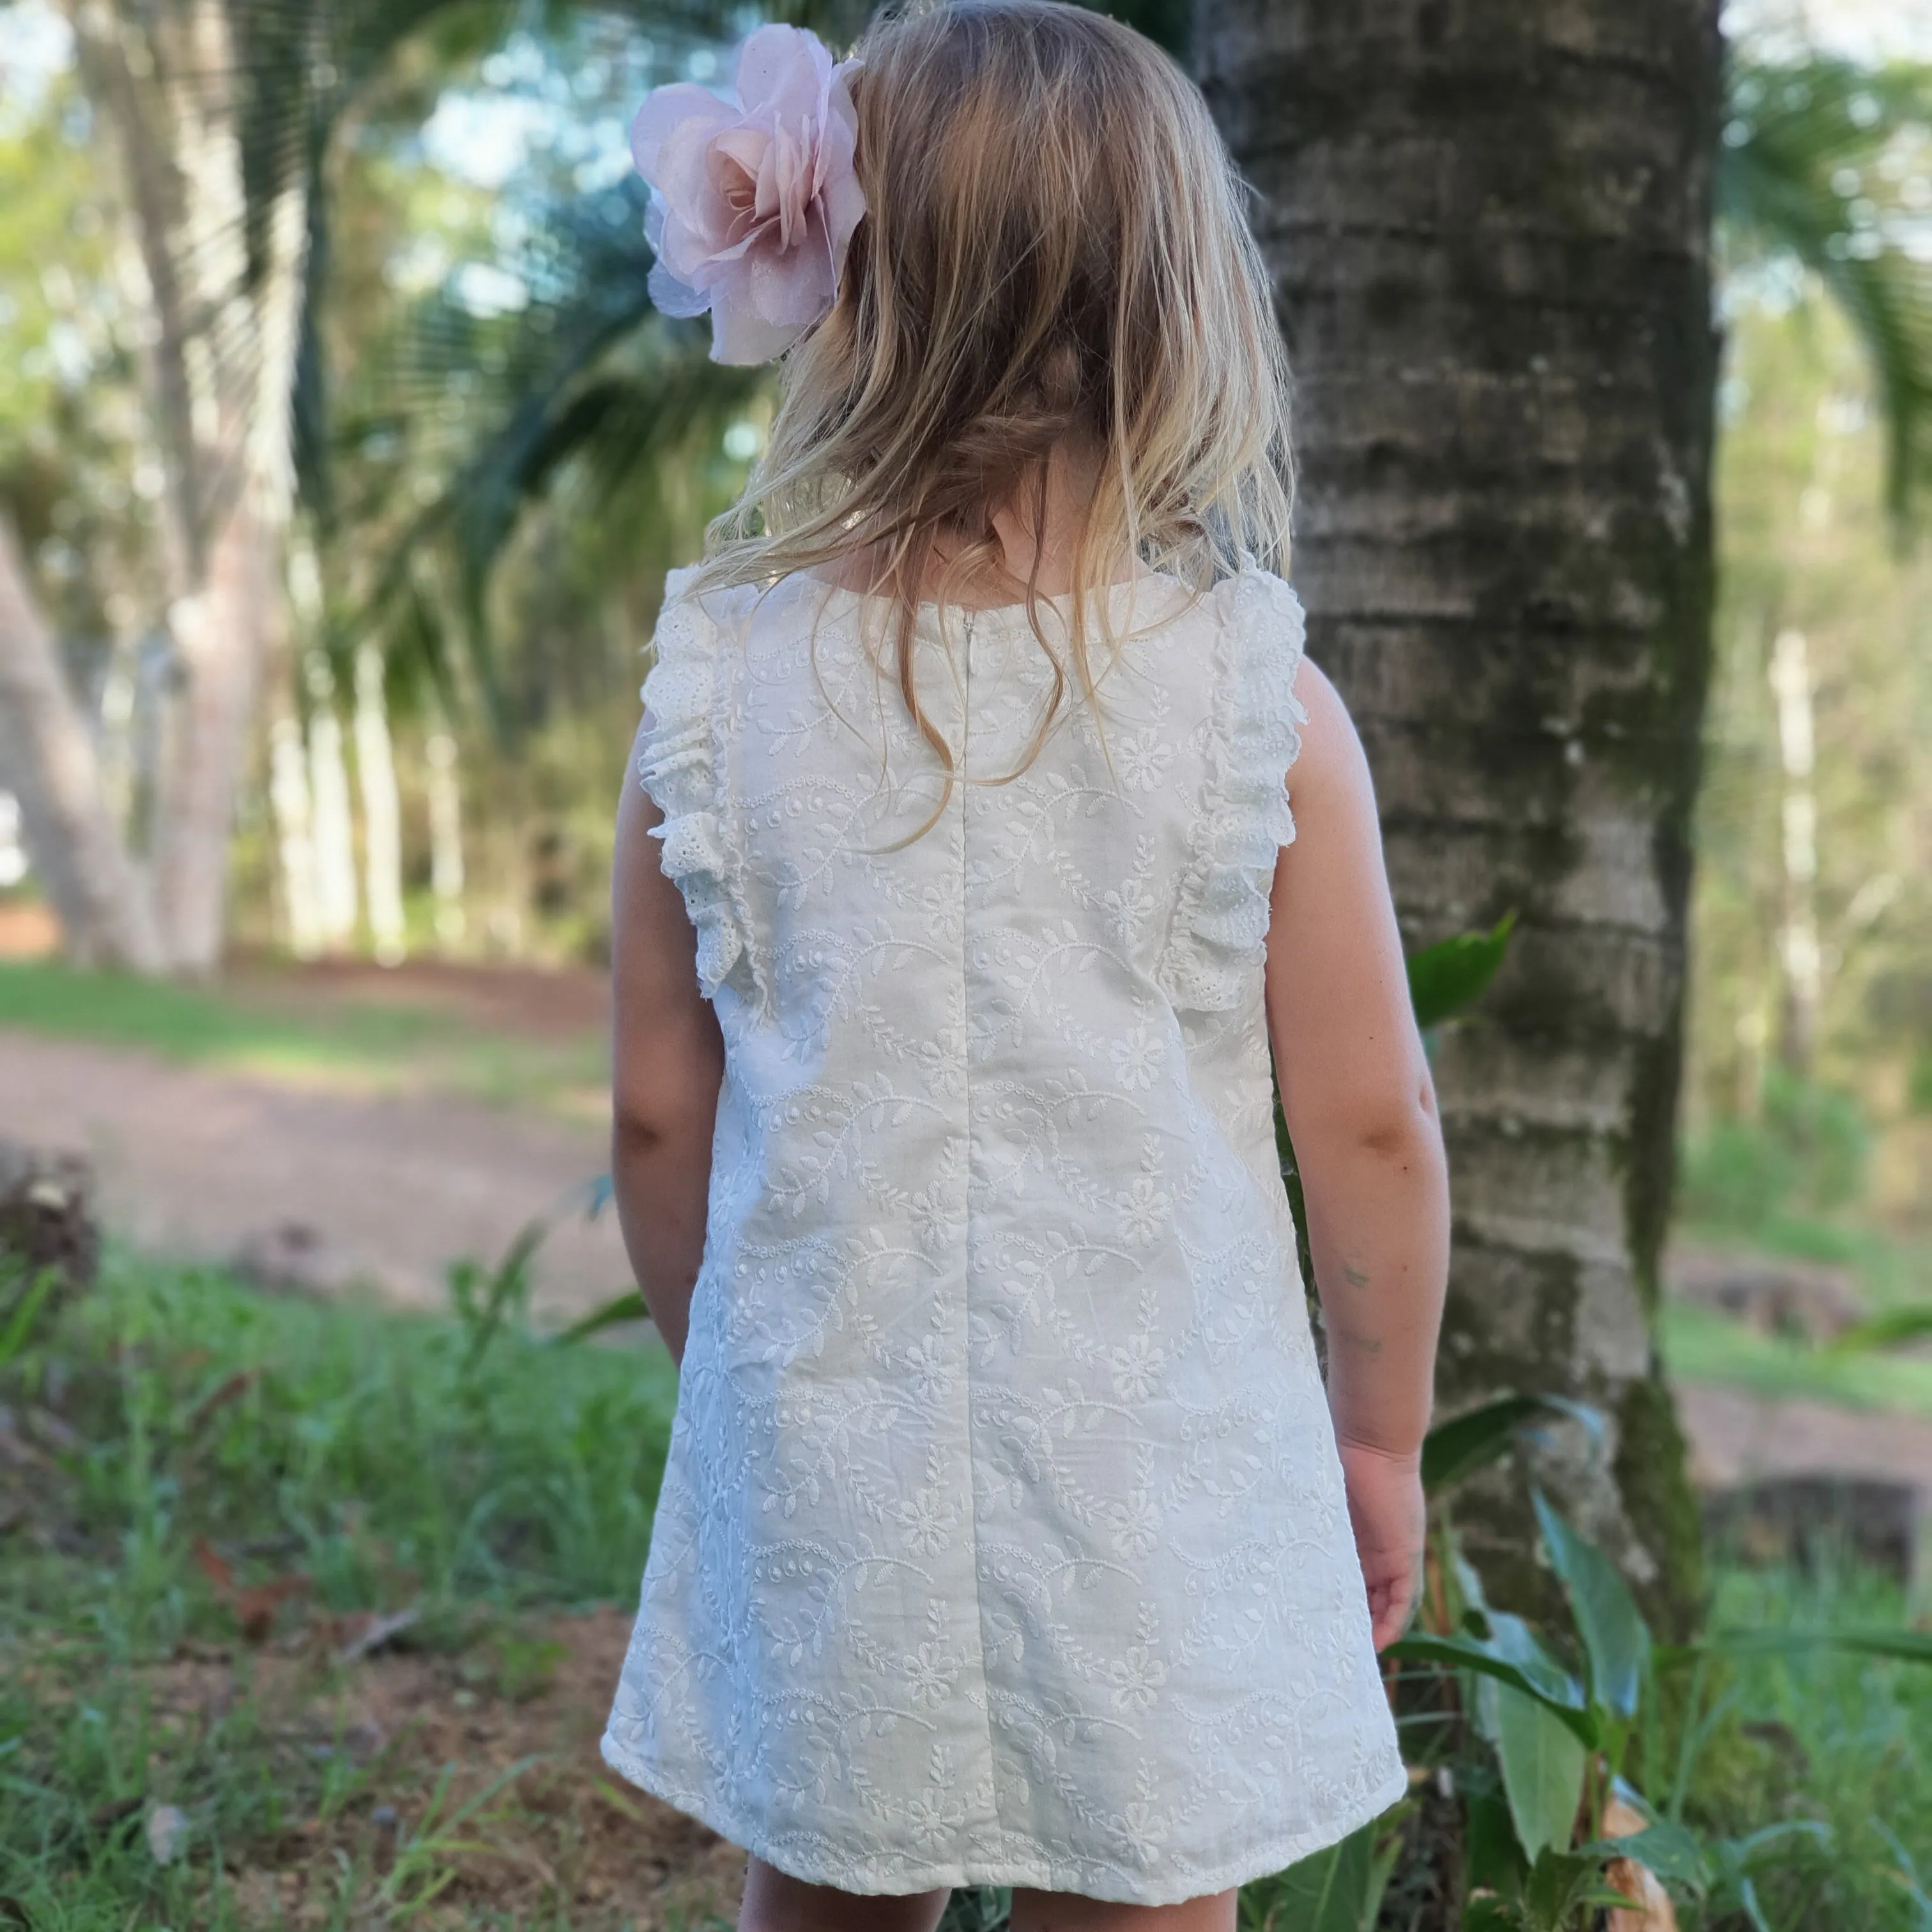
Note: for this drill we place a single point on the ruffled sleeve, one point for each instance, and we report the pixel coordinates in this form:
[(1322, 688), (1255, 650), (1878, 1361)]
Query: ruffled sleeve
[(1219, 938), (681, 763)]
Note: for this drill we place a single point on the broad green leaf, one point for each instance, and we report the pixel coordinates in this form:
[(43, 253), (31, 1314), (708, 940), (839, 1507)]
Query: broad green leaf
[(1457, 1449), (1543, 1769), (1495, 1859), (1616, 1640), (1330, 1891), (1465, 1653), (1562, 1883), (1670, 1851), (1513, 1639), (1452, 974)]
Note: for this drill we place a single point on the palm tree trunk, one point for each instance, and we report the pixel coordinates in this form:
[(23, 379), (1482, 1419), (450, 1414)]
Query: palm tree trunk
[(47, 759), (1488, 225)]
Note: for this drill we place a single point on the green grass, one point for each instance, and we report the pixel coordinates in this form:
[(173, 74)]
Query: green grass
[(173, 1423), (363, 1446), (260, 1028), (1845, 1742), (496, 1482), (1702, 1346)]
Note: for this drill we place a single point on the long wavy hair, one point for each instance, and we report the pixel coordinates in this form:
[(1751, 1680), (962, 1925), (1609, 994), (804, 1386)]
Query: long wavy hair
[(1055, 263)]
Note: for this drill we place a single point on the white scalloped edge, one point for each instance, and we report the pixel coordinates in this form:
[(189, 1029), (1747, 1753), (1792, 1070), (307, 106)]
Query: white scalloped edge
[(1219, 938), (681, 763)]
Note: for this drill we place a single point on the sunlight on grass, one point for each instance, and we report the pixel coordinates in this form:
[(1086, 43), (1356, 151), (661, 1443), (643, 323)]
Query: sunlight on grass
[(1703, 1346), (346, 1045)]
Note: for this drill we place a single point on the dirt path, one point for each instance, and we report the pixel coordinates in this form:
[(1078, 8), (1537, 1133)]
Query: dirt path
[(196, 1162)]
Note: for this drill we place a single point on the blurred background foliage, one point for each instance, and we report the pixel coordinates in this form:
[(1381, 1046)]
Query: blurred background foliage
[(498, 448)]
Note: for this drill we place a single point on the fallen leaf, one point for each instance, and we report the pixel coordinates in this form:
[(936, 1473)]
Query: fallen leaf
[(255, 1609), (1650, 1909), (167, 1832), (214, 1567)]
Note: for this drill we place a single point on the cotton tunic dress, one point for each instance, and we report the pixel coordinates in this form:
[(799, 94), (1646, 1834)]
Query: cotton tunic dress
[(1002, 1538)]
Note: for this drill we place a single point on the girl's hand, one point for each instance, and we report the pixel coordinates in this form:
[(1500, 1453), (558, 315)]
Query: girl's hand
[(1385, 1508)]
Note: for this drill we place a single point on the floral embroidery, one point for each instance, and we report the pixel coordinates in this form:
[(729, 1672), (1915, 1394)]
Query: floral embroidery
[(1002, 1538)]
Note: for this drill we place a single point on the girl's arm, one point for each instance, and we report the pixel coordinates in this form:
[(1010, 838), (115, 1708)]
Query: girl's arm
[(1361, 1111), (667, 1062)]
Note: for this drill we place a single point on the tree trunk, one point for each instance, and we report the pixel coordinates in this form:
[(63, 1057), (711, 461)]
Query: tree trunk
[(221, 638), (1488, 224), (1798, 953), (221, 245), (382, 812), (295, 839), (334, 826), (445, 836), (47, 759)]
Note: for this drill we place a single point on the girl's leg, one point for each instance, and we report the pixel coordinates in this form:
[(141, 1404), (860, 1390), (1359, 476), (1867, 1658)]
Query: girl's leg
[(776, 1902), (1061, 1912)]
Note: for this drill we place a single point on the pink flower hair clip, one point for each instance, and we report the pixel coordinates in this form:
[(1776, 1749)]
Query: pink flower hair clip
[(753, 202)]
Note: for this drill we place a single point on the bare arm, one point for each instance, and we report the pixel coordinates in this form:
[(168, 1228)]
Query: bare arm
[(667, 1063), (1361, 1111)]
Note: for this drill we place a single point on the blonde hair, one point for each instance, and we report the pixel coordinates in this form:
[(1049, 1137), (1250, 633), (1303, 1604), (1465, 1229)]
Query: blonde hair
[(1055, 259)]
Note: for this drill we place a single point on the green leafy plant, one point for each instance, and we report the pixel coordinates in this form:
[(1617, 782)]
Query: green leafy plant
[(1550, 1739), (1449, 977)]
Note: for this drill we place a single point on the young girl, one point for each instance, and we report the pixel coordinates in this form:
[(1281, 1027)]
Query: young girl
[(1009, 1535)]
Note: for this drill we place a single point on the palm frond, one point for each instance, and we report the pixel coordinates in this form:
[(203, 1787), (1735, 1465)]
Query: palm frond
[(1831, 162), (585, 386)]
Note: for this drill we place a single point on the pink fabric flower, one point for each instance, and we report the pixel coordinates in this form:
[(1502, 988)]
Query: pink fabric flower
[(752, 204)]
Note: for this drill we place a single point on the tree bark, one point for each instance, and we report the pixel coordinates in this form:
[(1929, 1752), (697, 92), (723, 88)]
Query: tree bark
[(222, 636), (222, 251), (1488, 224), (47, 759)]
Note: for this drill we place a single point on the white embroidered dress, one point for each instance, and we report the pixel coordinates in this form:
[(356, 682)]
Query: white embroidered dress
[(1002, 1538)]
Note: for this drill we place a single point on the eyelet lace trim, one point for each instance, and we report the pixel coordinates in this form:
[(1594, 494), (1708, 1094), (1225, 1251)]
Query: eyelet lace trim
[(1219, 938), (681, 764)]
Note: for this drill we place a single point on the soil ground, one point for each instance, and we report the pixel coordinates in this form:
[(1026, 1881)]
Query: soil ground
[(556, 1835), (197, 1161)]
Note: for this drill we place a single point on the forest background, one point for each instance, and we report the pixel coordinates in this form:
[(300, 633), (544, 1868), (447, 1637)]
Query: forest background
[(472, 572)]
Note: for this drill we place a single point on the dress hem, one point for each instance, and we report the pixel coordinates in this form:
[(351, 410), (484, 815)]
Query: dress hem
[(1078, 1879)]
